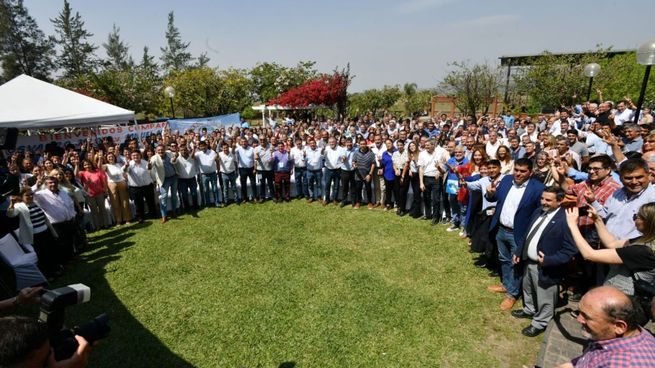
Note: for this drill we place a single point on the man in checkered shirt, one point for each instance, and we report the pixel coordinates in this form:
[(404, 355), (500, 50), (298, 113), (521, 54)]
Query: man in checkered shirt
[(609, 318)]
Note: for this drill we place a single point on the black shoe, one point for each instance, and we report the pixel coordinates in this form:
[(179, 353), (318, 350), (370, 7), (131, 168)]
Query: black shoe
[(532, 331), (434, 221), (493, 273), (480, 263), (343, 204), (425, 218), (402, 213), (520, 313)]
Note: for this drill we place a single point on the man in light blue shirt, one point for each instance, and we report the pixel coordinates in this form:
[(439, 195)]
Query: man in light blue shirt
[(620, 208), (246, 163)]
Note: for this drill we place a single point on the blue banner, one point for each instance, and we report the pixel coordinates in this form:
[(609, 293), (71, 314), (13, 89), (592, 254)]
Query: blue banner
[(211, 123)]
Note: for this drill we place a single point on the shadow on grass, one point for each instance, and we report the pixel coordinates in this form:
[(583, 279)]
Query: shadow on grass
[(287, 365), (118, 350)]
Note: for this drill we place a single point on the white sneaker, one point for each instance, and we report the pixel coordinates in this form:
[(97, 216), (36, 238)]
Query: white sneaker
[(452, 228)]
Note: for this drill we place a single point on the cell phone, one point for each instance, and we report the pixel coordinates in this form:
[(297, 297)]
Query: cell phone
[(583, 211)]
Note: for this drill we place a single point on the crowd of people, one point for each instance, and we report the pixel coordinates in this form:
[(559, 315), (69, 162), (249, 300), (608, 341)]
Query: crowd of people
[(552, 202)]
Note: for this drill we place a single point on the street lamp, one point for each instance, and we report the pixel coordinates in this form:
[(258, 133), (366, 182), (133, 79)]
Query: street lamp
[(591, 70), (645, 56), (170, 93)]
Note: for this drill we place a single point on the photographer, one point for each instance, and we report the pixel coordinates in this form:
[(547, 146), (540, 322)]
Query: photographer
[(24, 343)]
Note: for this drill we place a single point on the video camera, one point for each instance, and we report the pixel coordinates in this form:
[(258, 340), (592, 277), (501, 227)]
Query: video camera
[(62, 340)]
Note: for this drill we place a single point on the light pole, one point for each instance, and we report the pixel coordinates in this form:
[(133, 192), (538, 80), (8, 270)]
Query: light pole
[(645, 56), (591, 70), (170, 93)]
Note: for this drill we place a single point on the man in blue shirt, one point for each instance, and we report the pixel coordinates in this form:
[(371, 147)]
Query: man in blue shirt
[(246, 163)]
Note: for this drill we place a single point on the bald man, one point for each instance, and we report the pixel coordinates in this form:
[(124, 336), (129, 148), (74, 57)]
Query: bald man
[(609, 318), (649, 157)]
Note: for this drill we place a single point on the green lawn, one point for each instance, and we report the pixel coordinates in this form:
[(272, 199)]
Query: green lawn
[(294, 285)]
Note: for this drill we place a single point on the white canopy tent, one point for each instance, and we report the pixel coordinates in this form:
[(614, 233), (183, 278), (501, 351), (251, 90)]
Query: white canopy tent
[(29, 103)]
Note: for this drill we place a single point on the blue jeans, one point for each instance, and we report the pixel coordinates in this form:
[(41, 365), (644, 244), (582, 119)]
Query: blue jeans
[(184, 186), (169, 183), (511, 273), (210, 182), (230, 182), (457, 211), (332, 179), (314, 180), (300, 174)]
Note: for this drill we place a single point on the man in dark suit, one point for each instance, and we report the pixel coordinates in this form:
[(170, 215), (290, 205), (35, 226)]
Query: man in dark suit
[(517, 198), (548, 246)]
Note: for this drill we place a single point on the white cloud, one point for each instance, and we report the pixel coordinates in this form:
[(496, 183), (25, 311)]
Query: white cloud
[(489, 20), (414, 6)]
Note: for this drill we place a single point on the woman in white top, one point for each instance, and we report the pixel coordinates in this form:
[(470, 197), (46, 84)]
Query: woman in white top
[(118, 196), (504, 155)]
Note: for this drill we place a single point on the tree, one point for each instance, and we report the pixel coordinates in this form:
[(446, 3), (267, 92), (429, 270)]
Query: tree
[(203, 60), (148, 84), (473, 87), (374, 100), (117, 51), (197, 92), (556, 80), (77, 54), (271, 79), (24, 48), (175, 56), (235, 92)]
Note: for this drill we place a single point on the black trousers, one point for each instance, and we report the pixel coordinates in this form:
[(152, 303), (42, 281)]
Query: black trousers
[(46, 251), (66, 245), (348, 184), (415, 182), (400, 189), (141, 196), (432, 197), (268, 180), (388, 192), (367, 186), (244, 174)]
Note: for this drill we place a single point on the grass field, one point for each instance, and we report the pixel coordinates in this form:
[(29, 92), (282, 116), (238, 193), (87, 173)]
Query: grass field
[(294, 285)]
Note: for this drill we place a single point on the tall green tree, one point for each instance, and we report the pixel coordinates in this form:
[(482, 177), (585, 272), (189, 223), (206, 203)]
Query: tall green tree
[(271, 79), (77, 53), (175, 56), (374, 100), (203, 60), (474, 87), (117, 51), (24, 48)]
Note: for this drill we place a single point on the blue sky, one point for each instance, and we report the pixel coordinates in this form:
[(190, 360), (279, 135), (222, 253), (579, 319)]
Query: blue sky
[(386, 42)]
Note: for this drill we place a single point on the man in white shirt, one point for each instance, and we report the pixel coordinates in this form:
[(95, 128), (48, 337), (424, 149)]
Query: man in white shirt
[(60, 211), (207, 165), (333, 161), (140, 185), (431, 170), (187, 169), (492, 145), (623, 114), (299, 169), (227, 165), (314, 160), (263, 166)]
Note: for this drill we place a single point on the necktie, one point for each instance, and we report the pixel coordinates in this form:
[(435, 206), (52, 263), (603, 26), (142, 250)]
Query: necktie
[(532, 233)]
